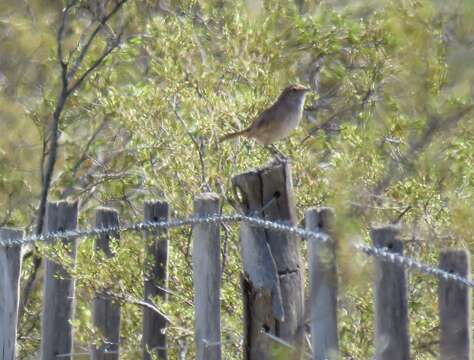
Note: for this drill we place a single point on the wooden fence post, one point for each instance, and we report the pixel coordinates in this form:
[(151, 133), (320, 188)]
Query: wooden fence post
[(455, 308), (272, 284), (58, 303), (206, 278), (156, 279), (10, 267), (392, 341), (323, 286), (106, 312)]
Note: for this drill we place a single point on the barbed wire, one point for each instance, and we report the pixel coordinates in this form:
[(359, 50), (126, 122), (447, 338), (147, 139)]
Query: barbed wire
[(381, 253), (135, 227), (413, 264)]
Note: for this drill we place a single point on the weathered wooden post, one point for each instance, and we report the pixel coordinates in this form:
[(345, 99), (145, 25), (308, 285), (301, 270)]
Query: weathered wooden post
[(207, 279), (272, 281), (156, 279), (10, 267), (455, 308), (58, 303), (106, 313), (323, 286), (391, 309)]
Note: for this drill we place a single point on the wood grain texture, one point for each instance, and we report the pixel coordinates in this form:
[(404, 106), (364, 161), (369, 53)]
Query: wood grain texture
[(106, 312), (58, 303), (455, 308), (207, 279), (156, 279), (392, 341), (323, 286), (10, 268), (273, 291)]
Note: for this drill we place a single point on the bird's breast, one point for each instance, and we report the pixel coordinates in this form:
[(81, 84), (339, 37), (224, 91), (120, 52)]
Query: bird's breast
[(290, 120), (282, 125)]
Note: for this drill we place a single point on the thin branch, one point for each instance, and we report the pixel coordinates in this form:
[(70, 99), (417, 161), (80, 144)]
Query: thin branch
[(132, 300), (44, 153), (435, 125), (96, 64), (402, 214), (282, 342), (60, 33), (194, 140), (354, 108), (85, 48), (88, 145), (51, 151), (84, 157), (173, 293)]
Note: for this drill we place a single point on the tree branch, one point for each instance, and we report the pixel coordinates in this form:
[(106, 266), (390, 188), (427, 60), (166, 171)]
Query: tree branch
[(52, 150), (196, 143), (435, 125), (94, 65), (91, 38), (126, 298)]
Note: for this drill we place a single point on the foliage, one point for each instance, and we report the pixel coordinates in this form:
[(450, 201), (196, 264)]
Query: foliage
[(387, 134)]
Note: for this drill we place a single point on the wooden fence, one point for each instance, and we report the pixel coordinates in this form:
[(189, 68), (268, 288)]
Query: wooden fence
[(272, 284)]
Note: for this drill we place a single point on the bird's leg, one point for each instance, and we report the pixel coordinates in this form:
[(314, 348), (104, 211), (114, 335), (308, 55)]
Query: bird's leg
[(277, 153)]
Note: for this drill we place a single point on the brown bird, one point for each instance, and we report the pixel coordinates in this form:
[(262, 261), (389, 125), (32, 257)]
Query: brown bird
[(276, 122)]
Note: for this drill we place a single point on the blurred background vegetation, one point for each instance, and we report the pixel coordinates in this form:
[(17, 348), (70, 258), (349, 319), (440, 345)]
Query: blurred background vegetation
[(387, 136)]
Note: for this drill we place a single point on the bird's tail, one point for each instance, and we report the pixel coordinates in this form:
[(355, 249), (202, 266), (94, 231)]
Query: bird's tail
[(234, 134)]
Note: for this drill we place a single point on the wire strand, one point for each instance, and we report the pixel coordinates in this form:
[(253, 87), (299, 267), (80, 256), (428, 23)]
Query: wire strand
[(381, 253)]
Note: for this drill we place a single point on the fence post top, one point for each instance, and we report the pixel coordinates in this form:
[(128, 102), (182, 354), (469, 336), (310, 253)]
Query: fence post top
[(156, 202), (458, 253), (11, 232), (456, 261), (320, 208), (322, 211), (61, 216), (105, 210), (63, 203), (392, 229), (386, 236), (62, 208), (319, 218), (105, 217), (275, 164), (271, 166), (206, 196)]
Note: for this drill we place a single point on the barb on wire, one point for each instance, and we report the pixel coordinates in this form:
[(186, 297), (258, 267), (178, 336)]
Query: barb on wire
[(412, 264), (136, 227), (406, 262)]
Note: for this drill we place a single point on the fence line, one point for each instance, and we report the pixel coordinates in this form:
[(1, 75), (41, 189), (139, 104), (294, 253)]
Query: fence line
[(406, 262), (271, 280)]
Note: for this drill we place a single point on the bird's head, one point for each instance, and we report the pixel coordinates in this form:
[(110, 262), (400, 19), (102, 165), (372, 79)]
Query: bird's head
[(295, 92)]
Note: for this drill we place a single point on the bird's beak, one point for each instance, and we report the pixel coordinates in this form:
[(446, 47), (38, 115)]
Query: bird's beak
[(307, 89)]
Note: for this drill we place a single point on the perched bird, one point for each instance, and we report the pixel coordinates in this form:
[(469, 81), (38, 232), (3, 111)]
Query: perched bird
[(276, 122)]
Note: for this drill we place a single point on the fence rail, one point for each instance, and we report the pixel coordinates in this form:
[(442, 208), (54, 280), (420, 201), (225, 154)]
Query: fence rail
[(270, 280)]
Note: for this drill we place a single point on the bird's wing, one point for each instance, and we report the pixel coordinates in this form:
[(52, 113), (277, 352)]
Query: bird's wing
[(265, 119)]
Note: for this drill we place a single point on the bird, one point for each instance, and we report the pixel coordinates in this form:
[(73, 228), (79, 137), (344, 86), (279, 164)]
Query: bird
[(277, 121)]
